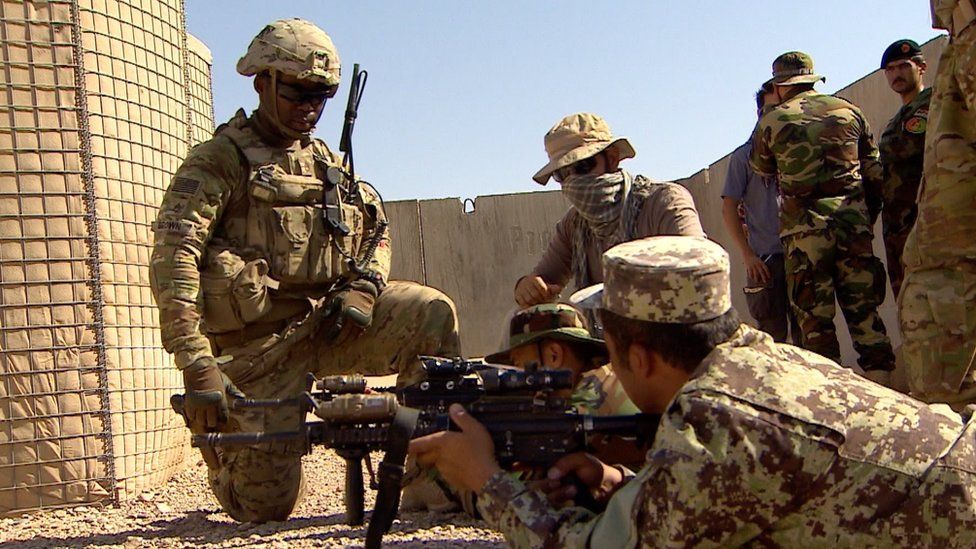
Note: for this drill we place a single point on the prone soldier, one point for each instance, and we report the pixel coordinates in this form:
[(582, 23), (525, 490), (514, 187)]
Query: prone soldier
[(270, 263), (546, 336), (759, 443)]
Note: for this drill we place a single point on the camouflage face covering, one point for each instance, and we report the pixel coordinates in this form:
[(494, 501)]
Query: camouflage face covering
[(598, 199)]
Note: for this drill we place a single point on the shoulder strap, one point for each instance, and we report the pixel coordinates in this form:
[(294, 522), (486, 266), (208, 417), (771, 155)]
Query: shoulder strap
[(391, 475), (639, 192)]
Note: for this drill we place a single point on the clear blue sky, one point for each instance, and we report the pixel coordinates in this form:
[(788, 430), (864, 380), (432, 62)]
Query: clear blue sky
[(460, 93)]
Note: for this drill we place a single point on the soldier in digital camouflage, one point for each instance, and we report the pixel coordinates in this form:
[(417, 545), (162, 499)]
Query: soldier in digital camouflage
[(937, 304), (902, 143), (268, 264), (820, 149), (548, 336), (608, 206), (759, 443)]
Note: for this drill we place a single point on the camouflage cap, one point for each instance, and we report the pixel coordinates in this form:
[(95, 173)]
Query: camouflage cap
[(295, 47), (667, 279), (548, 321), (576, 137), (900, 49), (794, 67)]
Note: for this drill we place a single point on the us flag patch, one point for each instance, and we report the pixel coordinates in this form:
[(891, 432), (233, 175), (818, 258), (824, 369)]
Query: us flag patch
[(183, 185)]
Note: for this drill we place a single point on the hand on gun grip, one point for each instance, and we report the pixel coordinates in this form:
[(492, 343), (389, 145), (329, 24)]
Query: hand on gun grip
[(207, 390)]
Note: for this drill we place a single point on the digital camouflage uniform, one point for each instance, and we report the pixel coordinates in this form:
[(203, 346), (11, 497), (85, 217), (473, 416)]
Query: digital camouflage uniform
[(936, 306), (766, 445), (901, 146), (241, 253), (820, 149)]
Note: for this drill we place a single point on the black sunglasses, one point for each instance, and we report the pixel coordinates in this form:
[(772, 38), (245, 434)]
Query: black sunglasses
[(581, 167), (303, 96)]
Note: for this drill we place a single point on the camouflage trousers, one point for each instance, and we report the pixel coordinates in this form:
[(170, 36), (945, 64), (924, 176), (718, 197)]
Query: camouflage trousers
[(937, 308), (837, 261), (265, 483), (897, 220)]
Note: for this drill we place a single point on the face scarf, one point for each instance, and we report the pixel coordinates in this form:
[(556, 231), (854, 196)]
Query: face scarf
[(598, 199)]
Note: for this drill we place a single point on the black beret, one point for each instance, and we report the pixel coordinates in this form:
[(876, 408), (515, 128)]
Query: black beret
[(902, 49)]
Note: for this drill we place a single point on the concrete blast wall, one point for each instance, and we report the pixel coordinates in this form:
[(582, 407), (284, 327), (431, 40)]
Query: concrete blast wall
[(477, 257)]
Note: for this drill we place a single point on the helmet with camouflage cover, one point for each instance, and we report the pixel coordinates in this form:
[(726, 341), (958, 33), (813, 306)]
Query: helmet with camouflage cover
[(295, 47)]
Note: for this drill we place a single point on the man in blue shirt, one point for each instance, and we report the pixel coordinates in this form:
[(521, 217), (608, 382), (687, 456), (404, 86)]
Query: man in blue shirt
[(763, 252)]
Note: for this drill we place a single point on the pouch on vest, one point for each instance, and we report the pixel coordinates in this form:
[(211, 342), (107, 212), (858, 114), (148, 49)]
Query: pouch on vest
[(235, 293), (291, 228)]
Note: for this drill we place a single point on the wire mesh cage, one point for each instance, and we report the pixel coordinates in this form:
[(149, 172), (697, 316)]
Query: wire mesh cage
[(102, 100)]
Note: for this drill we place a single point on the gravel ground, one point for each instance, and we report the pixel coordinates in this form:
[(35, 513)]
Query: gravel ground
[(183, 513)]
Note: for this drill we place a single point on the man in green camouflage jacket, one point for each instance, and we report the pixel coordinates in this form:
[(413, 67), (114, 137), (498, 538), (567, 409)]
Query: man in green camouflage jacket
[(820, 149), (937, 305), (270, 263), (759, 443), (901, 146)]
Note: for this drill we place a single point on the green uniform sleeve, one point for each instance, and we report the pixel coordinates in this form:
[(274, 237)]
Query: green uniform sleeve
[(762, 160), (187, 216), (872, 173)]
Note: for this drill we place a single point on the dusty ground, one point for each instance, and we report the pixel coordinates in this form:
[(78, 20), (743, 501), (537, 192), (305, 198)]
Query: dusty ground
[(183, 513)]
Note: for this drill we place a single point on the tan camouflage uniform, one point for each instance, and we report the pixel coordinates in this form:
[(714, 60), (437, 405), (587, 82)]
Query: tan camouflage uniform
[(241, 252), (936, 306), (765, 445), (901, 146), (820, 148)]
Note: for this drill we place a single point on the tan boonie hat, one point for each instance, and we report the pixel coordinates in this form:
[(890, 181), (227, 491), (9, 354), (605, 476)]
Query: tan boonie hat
[(295, 47), (548, 321), (667, 279), (576, 137), (794, 67)]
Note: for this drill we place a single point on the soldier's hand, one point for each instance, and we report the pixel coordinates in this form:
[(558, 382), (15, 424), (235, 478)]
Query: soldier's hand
[(601, 479), (207, 391), (532, 290), (354, 309), (465, 459), (757, 270)]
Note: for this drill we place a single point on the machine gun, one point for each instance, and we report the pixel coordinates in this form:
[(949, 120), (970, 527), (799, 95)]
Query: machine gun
[(527, 424)]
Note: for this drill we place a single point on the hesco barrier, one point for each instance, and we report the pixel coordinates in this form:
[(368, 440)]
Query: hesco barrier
[(101, 101)]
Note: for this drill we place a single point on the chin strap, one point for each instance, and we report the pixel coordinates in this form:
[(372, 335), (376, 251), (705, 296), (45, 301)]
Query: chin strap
[(390, 474)]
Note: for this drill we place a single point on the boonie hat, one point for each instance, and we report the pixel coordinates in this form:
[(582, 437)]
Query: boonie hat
[(667, 279), (794, 67), (576, 137), (548, 321)]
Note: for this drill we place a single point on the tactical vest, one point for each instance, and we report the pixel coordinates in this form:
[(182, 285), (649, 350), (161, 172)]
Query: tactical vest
[(273, 235)]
